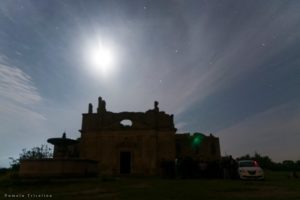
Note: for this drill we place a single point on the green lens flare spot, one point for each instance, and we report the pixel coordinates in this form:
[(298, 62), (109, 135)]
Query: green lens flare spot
[(197, 140)]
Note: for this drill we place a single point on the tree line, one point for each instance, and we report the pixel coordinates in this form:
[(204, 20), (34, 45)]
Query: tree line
[(267, 163)]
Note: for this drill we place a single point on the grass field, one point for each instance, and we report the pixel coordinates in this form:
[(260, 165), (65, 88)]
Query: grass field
[(276, 186)]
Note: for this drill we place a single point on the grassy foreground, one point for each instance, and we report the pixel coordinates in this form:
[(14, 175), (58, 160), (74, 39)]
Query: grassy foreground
[(276, 186)]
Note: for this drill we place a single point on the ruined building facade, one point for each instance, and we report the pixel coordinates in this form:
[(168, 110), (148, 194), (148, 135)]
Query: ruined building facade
[(137, 148)]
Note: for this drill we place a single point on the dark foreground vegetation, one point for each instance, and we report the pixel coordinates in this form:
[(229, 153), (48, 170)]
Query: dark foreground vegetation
[(183, 181), (278, 185)]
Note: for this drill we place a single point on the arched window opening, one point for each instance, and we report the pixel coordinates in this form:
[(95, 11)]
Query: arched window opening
[(126, 123)]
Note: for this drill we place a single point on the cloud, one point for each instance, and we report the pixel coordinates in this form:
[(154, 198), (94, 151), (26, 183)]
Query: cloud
[(278, 126), (18, 95), (214, 54), (17, 86), (215, 60)]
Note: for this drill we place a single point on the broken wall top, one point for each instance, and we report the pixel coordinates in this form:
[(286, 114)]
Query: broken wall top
[(152, 119)]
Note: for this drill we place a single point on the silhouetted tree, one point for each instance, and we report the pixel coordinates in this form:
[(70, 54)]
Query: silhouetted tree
[(267, 163), (35, 153), (245, 157), (264, 161), (288, 165), (298, 165)]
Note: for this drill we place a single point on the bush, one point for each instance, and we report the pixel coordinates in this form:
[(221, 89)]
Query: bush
[(35, 153)]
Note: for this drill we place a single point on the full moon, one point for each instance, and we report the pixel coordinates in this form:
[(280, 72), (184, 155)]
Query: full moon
[(102, 59)]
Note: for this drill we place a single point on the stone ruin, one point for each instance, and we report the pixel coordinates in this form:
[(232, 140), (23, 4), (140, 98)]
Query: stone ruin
[(133, 143)]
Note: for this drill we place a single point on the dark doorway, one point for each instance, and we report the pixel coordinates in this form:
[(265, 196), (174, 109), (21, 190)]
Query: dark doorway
[(125, 162)]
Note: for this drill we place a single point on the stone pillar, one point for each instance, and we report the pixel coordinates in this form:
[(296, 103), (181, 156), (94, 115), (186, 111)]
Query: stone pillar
[(101, 105), (90, 108), (156, 106)]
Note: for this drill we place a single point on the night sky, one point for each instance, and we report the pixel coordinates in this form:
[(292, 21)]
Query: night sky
[(230, 68)]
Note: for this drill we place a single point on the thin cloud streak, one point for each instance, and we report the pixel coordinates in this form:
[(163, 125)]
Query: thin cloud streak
[(17, 86), (18, 95)]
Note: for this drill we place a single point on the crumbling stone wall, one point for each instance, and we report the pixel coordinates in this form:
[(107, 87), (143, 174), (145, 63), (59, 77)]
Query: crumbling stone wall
[(57, 168)]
